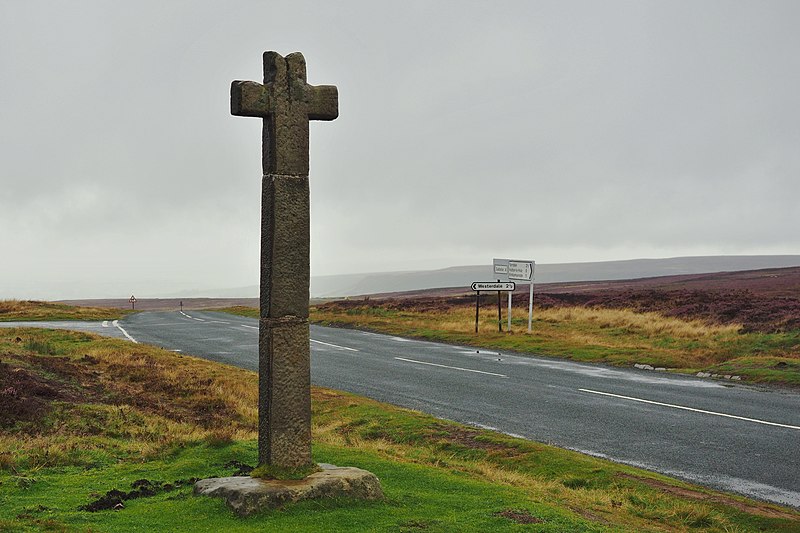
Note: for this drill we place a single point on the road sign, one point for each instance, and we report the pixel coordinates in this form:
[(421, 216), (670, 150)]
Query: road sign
[(521, 270), (132, 300), (493, 286)]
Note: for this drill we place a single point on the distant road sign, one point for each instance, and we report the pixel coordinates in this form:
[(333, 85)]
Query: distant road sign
[(501, 269), (132, 299), (493, 286), (520, 270)]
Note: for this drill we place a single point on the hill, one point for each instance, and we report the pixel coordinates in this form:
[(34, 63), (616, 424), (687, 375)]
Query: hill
[(463, 276)]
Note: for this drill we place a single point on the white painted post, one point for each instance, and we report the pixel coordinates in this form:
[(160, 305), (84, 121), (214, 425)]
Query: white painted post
[(509, 311), (530, 306), (530, 296)]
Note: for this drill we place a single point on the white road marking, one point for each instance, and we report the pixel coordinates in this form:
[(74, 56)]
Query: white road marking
[(251, 327), (451, 367), (401, 339), (335, 345), (105, 323), (176, 350), (198, 319), (691, 409), (116, 324)]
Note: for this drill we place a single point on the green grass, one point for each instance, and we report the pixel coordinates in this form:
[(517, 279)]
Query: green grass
[(417, 497), (241, 310), (113, 413)]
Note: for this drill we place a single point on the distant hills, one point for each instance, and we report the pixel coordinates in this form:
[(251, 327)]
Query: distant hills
[(462, 276)]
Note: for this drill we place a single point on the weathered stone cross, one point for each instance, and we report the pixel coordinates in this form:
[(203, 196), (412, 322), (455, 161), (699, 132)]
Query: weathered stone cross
[(286, 102)]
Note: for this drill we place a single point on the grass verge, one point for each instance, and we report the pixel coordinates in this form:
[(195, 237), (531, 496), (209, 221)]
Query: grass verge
[(18, 310), (613, 336), (104, 435)]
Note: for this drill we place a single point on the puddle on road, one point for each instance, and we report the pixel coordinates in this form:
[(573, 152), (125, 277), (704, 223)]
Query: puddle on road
[(639, 376)]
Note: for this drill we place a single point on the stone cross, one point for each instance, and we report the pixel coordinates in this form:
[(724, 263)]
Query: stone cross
[(286, 102)]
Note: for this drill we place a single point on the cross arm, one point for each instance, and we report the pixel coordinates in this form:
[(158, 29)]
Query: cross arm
[(249, 99), (323, 102)]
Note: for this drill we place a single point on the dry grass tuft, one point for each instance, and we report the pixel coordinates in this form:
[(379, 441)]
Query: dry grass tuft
[(15, 310)]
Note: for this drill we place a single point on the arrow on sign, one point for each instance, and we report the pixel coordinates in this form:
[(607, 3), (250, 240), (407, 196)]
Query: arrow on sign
[(521, 270)]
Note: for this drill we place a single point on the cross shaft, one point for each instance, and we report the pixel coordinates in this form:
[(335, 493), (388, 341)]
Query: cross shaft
[(285, 102)]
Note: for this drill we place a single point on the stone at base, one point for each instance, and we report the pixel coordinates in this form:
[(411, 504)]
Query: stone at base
[(247, 495)]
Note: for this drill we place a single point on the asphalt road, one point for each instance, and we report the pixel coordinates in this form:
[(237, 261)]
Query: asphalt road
[(723, 435)]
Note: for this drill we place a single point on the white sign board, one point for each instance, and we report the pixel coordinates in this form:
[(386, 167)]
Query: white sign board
[(493, 286), (521, 270), (500, 268)]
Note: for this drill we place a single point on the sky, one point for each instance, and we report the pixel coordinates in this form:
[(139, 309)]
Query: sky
[(557, 131)]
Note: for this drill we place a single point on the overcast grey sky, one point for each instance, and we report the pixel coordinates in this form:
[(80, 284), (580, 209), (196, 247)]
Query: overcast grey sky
[(552, 130)]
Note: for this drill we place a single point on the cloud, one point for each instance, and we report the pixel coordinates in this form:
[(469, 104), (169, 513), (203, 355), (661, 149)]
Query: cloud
[(557, 131)]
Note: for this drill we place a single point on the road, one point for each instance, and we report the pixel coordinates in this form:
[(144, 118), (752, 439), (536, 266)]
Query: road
[(723, 435)]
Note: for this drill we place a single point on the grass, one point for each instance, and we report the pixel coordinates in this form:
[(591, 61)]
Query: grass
[(241, 310), (82, 417), (17, 310), (613, 336)]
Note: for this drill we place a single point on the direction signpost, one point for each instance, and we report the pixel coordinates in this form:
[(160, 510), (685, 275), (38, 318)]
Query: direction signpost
[(132, 300), (519, 270)]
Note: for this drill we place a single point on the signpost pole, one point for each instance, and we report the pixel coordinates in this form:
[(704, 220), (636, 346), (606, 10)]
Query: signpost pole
[(499, 286), (499, 313), (530, 305), (509, 311), (477, 306)]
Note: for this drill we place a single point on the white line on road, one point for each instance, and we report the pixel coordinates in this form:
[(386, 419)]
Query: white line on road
[(451, 367), (691, 409), (184, 314), (116, 324), (335, 345), (105, 323), (198, 319), (251, 327)]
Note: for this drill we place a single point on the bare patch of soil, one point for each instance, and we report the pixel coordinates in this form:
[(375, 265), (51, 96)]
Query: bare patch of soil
[(520, 516), (468, 437), (25, 396), (142, 488)]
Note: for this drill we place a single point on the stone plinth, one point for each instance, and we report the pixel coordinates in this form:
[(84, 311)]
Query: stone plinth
[(246, 495)]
